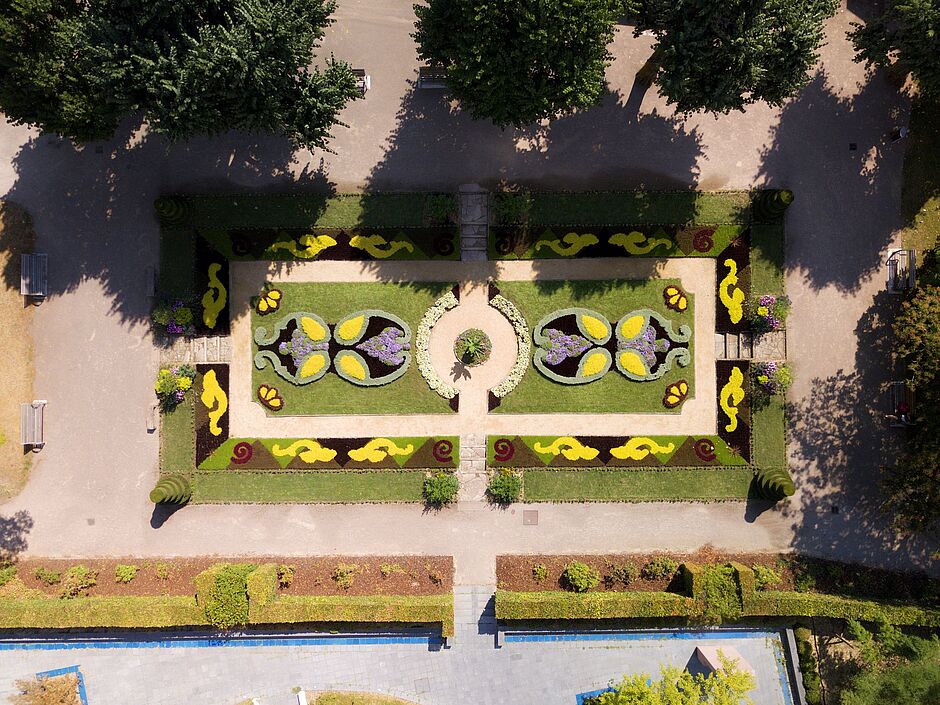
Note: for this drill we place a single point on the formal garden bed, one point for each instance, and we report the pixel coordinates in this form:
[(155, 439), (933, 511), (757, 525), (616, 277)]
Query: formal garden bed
[(39, 593)]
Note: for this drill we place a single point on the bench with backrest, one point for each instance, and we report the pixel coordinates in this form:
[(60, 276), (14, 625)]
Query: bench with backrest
[(432, 77), (902, 271), (34, 274), (902, 399), (363, 80), (31, 424)]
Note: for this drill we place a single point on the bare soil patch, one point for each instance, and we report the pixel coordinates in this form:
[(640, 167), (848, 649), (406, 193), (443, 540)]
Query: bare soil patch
[(16, 346), (370, 575)]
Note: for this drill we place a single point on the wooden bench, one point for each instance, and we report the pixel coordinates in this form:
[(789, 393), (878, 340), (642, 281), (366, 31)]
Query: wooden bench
[(31, 426), (902, 271), (363, 80), (34, 274), (432, 77), (901, 397)]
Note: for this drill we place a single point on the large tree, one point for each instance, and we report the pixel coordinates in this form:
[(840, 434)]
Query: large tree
[(726, 686), (723, 56), (518, 61), (188, 67), (908, 31)]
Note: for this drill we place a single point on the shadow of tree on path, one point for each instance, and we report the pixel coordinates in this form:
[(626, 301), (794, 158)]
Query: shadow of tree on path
[(13, 532)]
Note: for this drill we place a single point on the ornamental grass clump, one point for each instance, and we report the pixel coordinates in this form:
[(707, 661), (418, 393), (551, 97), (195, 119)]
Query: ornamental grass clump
[(175, 318), (580, 577), (473, 347), (769, 313), (172, 384), (440, 489)]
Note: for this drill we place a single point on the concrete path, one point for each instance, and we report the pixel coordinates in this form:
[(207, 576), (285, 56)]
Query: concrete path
[(95, 359)]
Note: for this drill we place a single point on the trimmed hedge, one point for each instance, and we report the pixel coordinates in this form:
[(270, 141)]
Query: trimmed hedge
[(692, 575), (89, 612), (796, 604), (262, 587), (400, 609), (593, 605)]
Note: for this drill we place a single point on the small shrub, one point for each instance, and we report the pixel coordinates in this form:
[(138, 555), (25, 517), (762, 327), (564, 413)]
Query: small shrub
[(439, 207), (473, 347), (226, 603), (7, 573), (769, 379), (512, 207), (805, 582), (660, 568), (285, 575), (388, 569), (172, 383), (162, 571), (441, 488), (625, 573), (47, 577), (175, 318), (77, 581), (809, 667), (539, 572), (580, 577), (769, 313), (505, 486), (125, 573), (344, 575), (765, 577)]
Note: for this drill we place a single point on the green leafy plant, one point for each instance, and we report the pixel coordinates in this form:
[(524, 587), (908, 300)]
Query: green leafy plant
[(285, 575), (439, 208), (473, 347), (162, 571), (7, 573), (77, 581), (388, 569), (505, 486), (440, 488), (725, 686), (804, 581), (226, 603), (47, 577), (659, 568), (172, 384), (719, 593), (125, 573), (765, 577), (580, 577), (512, 207), (344, 575), (623, 573), (539, 572)]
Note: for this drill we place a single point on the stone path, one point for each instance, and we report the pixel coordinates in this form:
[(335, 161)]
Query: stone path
[(474, 222)]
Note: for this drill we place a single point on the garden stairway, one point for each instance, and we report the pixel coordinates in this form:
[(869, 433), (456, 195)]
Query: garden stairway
[(199, 350), (745, 346), (474, 222)]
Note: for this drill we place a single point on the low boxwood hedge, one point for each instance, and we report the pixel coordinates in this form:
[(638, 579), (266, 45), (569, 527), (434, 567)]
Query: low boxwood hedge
[(89, 612), (592, 605), (804, 604)]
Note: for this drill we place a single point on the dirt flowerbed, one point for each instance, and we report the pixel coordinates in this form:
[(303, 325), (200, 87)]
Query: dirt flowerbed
[(536, 573), (333, 575)]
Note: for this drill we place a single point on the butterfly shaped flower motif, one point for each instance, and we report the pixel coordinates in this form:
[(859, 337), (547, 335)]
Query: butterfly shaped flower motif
[(675, 394), (270, 397), (675, 298), (269, 301)]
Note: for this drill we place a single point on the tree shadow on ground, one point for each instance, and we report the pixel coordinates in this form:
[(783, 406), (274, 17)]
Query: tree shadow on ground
[(838, 439), (846, 205), (13, 532)]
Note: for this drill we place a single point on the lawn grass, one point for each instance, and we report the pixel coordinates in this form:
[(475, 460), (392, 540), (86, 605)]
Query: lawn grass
[(920, 195), (177, 264), (684, 484), (177, 438), (306, 210), (768, 245), (331, 394), (613, 393), (310, 487), (335, 697), (768, 435), (636, 207)]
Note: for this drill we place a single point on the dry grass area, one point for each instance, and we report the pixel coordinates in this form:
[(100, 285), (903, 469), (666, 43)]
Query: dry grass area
[(16, 347), (61, 690), (343, 698)]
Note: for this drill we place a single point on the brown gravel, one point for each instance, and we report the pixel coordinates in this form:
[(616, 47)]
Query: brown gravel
[(406, 575)]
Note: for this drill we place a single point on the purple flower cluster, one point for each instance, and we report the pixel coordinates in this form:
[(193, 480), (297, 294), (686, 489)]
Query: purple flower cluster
[(770, 377), (647, 345), (300, 347), (387, 347), (175, 328), (562, 346), (770, 313)]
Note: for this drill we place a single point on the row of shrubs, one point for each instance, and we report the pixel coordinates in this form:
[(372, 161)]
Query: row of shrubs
[(580, 577)]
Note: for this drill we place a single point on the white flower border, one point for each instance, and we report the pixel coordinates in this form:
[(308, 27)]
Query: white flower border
[(524, 351), (423, 340)]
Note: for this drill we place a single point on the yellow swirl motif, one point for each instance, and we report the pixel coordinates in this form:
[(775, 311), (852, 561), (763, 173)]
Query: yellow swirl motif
[(573, 244), (570, 447), (732, 394), (378, 449), (307, 450), (311, 245), (732, 299), (213, 301), (636, 243), (213, 397), (639, 447), (378, 246)]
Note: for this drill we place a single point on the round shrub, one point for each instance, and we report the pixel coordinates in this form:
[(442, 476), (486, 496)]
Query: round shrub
[(473, 347), (440, 489), (660, 568), (505, 486), (580, 577)]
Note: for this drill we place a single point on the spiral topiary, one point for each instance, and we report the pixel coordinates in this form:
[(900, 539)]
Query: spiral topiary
[(774, 483), (170, 209), (771, 204), (173, 489)]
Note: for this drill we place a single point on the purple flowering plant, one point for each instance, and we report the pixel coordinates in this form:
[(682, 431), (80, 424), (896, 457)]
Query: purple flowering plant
[(770, 378), (388, 346), (647, 345), (561, 346), (769, 313), (300, 347), (175, 317)]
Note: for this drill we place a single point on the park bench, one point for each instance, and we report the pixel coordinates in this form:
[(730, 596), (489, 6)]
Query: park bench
[(363, 80), (901, 397), (31, 427), (902, 271), (34, 274), (432, 77)]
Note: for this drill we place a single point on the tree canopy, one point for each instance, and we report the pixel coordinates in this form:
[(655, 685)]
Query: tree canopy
[(724, 56), (188, 67), (910, 31), (518, 61)]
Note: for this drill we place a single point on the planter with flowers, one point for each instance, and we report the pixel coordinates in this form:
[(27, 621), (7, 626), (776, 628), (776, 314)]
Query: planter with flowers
[(172, 385), (175, 318), (769, 313), (769, 379)]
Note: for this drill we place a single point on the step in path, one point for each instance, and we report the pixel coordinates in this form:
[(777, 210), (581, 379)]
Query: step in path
[(196, 351), (747, 346), (474, 222), (475, 616)]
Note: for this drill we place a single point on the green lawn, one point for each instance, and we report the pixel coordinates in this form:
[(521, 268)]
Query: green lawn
[(329, 486), (767, 258), (920, 196), (331, 394), (588, 485), (636, 207), (177, 439), (177, 264), (768, 435), (613, 393)]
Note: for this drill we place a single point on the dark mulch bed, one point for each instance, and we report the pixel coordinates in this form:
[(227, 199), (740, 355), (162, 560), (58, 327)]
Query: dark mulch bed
[(514, 572), (404, 575)]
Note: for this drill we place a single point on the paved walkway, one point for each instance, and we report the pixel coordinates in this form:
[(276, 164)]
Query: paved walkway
[(95, 359)]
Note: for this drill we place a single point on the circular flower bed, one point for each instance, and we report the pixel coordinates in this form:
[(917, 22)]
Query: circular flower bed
[(473, 347)]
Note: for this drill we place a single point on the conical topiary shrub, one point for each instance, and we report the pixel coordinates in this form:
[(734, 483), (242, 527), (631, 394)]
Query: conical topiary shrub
[(170, 210), (173, 489), (774, 483), (771, 204)]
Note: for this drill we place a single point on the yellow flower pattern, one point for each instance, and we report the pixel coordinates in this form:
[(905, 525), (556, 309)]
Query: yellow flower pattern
[(573, 244), (215, 298), (215, 400), (731, 396), (269, 301), (731, 296), (639, 447), (307, 450), (569, 447), (378, 449)]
